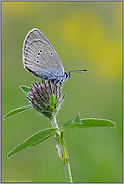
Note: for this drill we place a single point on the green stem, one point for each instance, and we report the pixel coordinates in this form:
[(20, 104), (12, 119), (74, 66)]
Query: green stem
[(68, 173), (66, 161), (62, 151), (54, 122)]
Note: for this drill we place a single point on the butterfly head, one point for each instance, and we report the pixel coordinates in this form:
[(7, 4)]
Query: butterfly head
[(66, 75)]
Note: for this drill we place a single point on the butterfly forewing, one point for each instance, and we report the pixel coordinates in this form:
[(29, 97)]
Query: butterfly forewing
[(39, 57), (36, 34)]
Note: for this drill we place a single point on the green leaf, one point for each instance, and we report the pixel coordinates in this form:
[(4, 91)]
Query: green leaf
[(16, 111), (71, 122), (96, 122), (93, 123), (52, 99), (76, 122), (25, 90), (33, 140)]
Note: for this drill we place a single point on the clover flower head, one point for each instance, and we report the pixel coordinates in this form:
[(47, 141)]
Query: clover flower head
[(46, 98)]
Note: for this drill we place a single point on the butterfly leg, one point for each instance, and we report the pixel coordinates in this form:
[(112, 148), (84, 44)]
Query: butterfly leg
[(58, 80)]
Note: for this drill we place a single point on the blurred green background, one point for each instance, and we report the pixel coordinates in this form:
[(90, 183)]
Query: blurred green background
[(86, 35)]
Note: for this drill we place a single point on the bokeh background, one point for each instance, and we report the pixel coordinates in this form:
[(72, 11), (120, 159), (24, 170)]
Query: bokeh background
[(86, 35)]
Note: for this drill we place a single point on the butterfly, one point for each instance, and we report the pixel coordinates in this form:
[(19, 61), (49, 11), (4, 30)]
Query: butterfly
[(41, 59)]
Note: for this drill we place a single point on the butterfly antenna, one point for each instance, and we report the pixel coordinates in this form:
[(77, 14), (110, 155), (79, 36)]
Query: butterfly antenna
[(78, 71)]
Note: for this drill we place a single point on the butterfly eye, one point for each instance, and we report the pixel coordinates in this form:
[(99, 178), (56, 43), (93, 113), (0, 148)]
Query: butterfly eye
[(51, 53), (40, 50), (37, 61), (38, 53), (37, 57)]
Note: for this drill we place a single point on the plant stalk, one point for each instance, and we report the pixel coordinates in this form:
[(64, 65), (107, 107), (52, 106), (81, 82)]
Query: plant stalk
[(54, 122), (62, 151)]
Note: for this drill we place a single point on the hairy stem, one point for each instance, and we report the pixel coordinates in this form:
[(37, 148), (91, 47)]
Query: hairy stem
[(62, 151), (54, 122), (66, 161)]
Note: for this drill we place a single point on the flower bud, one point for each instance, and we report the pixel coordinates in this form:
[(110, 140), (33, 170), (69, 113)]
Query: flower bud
[(46, 98)]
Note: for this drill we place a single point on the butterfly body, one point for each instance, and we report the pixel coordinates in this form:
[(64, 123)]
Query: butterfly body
[(41, 59)]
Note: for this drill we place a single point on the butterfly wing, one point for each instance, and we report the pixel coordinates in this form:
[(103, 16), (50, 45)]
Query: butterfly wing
[(39, 57)]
